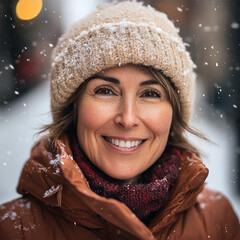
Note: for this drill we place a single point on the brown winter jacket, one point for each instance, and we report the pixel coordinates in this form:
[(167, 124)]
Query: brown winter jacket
[(57, 203)]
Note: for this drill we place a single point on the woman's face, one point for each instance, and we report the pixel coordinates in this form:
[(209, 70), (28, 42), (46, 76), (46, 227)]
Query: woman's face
[(124, 119)]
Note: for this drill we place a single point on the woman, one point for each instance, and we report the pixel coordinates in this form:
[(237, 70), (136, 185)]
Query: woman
[(115, 163)]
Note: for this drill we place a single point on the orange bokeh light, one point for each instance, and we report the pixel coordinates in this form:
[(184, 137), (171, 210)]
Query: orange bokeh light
[(28, 9)]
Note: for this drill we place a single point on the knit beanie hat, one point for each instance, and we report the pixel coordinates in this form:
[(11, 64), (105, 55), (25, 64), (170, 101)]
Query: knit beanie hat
[(116, 34)]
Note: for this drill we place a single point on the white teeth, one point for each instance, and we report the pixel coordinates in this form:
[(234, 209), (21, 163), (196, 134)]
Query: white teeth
[(116, 141), (137, 143), (128, 144), (123, 144)]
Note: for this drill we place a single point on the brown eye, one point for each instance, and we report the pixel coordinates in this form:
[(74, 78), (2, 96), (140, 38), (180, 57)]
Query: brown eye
[(104, 91), (151, 94)]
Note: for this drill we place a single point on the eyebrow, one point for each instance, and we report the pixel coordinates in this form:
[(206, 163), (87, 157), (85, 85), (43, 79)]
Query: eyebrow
[(149, 82), (108, 79), (116, 81)]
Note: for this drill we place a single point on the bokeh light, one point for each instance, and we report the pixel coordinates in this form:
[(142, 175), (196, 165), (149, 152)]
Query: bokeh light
[(28, 9)]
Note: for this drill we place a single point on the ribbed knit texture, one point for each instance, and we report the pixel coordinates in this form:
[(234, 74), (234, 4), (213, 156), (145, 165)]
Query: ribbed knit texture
[(142, 198), (116, 34)]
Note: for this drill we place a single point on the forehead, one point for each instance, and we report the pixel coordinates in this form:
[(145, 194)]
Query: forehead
[(126, 72)]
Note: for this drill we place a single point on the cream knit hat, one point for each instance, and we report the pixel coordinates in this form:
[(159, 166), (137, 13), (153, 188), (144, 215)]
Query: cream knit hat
[(116, 34)]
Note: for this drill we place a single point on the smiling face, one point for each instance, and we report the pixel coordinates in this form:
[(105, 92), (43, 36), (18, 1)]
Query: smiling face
[(124, 119)]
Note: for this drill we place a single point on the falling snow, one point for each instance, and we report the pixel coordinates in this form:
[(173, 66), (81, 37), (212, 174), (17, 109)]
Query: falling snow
[(179, 9), (202, 205), (54, 163), (235, 25)]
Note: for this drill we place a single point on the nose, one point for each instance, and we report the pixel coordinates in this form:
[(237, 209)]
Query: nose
[(127, 114)]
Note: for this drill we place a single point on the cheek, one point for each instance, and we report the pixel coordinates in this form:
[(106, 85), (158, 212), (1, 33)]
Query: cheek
[(92, 115), (159, 119)]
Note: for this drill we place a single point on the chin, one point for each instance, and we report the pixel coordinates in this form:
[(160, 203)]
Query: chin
[(126, 177)]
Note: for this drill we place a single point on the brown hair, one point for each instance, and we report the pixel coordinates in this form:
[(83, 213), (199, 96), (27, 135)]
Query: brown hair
[(66, 118)]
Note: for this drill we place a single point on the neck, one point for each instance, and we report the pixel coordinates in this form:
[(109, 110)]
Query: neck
[(135, 179)]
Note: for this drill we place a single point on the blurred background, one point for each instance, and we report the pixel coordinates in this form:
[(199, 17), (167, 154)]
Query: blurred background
[(211, 28)]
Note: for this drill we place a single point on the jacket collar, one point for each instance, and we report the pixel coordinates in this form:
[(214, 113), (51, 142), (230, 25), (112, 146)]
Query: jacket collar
[(63, 189), (190, 183)]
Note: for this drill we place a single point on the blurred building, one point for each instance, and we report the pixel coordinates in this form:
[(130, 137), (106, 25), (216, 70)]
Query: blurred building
[(25, 48)]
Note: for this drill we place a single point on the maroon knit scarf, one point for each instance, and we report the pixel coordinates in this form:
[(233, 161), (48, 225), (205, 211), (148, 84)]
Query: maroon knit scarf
[(142, 198)]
